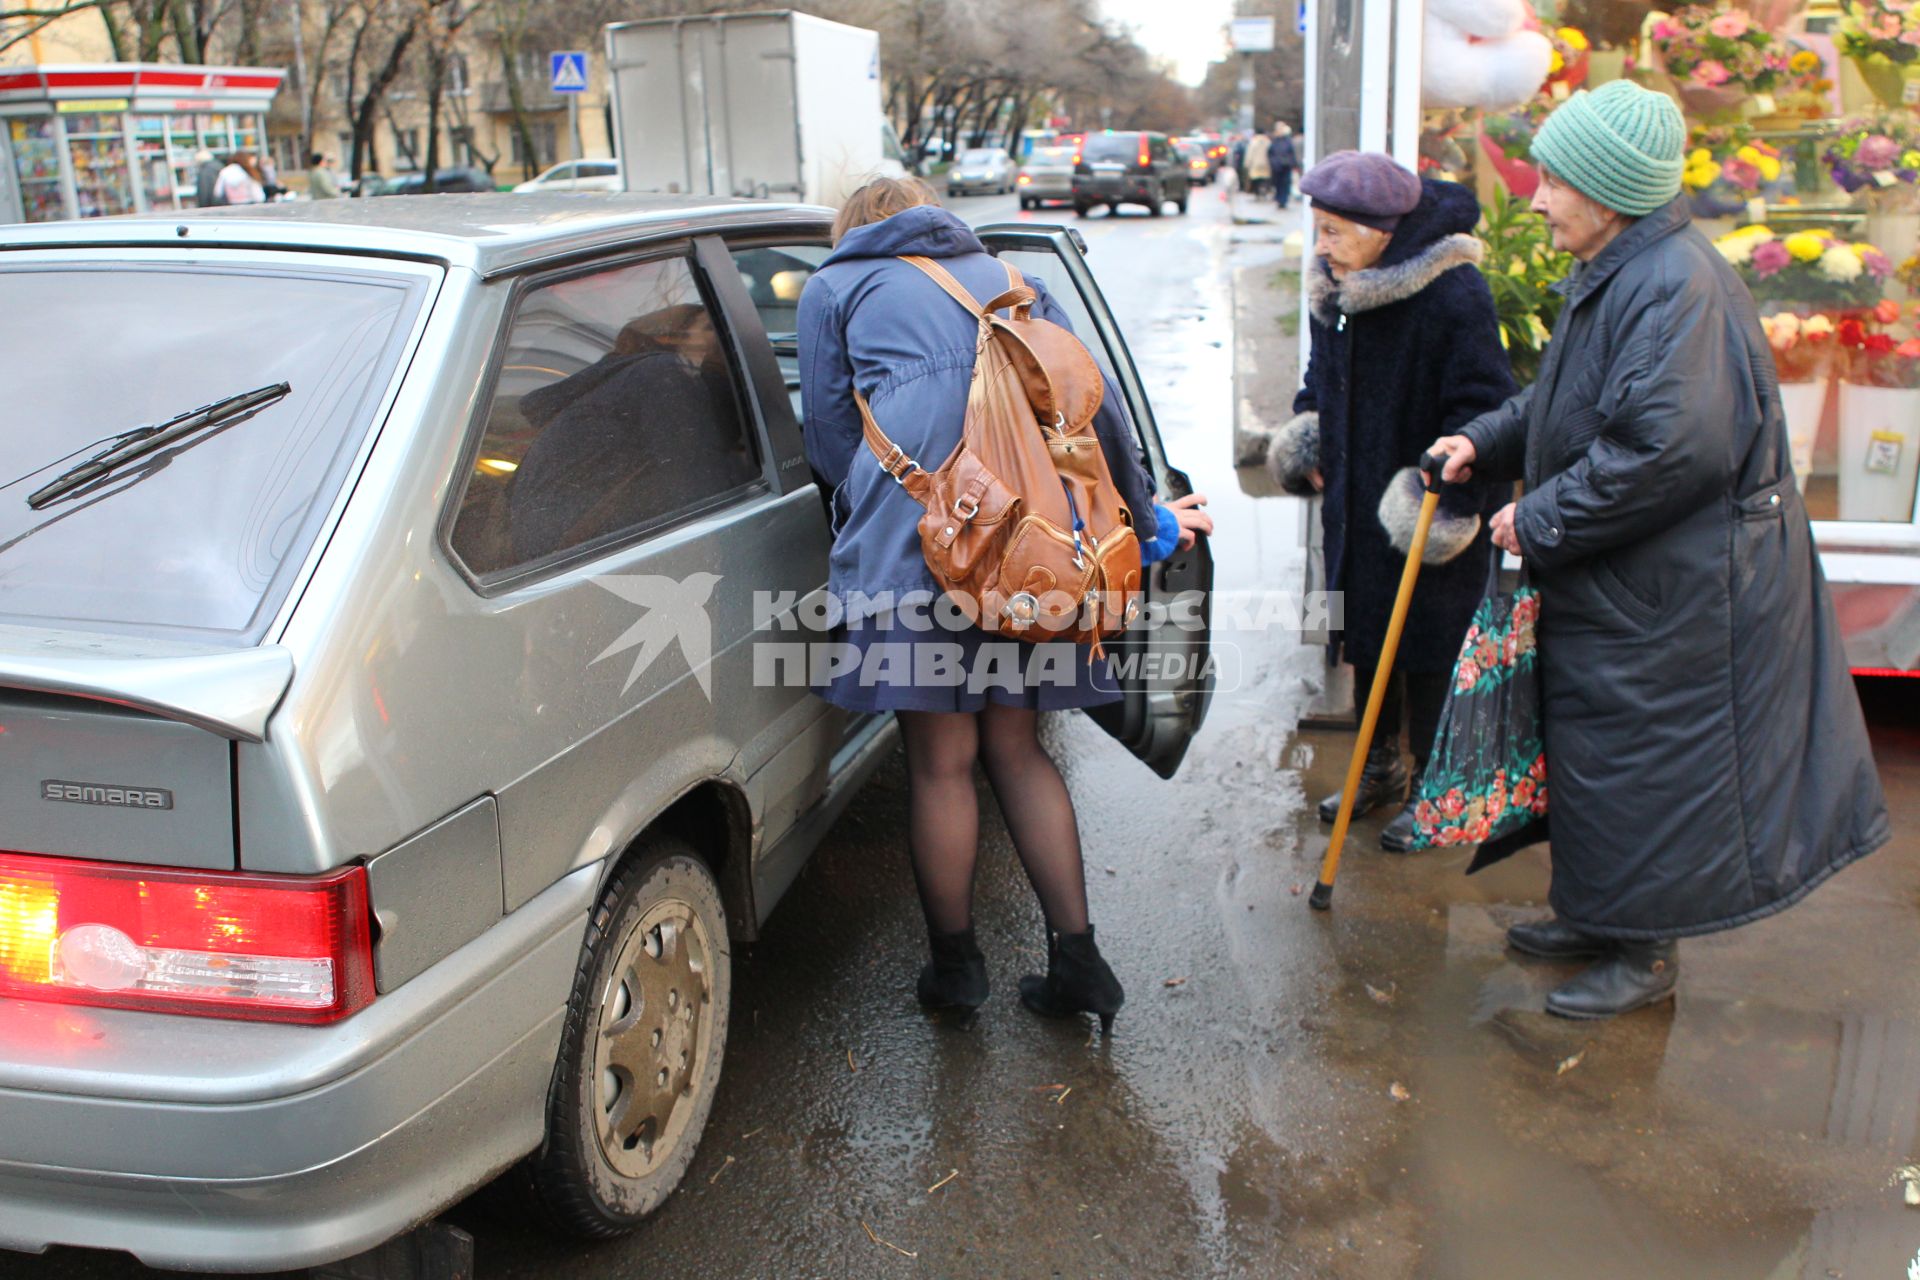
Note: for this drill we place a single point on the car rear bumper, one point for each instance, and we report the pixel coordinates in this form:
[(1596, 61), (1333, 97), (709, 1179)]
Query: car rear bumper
[(1129, 190), (1048, 189), (225, 1146)]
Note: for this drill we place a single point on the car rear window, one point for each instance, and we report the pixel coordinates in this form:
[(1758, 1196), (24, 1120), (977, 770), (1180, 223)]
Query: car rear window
[(203, 536), (1051, 155), (1111, 146)]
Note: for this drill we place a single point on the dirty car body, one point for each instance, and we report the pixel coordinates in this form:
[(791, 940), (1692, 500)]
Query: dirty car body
[(443, 649)]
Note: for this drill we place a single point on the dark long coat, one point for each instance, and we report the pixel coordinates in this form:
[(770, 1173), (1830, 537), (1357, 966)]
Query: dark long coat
[(1707, 762), (1402, 353)]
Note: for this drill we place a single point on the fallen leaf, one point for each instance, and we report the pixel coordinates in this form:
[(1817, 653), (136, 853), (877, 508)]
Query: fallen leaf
[(1398, 1091), (1174, 982), (1382, 997), (1568, 1064)]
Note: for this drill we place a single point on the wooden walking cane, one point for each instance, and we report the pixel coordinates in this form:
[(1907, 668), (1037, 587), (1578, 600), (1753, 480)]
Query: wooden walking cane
[(1322, 897)]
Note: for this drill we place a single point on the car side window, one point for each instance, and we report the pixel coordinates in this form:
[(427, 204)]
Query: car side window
[(614, 410)]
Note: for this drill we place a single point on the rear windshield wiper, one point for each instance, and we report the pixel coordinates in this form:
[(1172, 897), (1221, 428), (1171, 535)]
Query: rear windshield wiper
[(143, 442)]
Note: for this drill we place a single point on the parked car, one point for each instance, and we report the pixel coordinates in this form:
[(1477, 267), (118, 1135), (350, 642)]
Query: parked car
[(576, 175), (457, 178), (1046, 176), (981, 169), (1130, 168), (392, 758)]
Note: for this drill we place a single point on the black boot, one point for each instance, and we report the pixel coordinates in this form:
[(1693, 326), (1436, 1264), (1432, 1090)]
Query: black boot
[(1077, 981), (1397, 836), (1382, 781), (957, 976), (1552, 940), (1635, 976)]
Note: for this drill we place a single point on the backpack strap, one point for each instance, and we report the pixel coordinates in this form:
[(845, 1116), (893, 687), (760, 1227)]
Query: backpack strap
[(894, 460), (1018, 294)]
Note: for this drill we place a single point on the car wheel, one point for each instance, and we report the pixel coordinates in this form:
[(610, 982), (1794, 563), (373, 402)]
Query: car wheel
[(1082, 210), (1185, 196), (1155, 199), (640, 1054)]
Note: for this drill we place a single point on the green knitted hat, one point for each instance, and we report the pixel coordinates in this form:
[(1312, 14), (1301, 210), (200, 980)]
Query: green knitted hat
[(1619, 144)]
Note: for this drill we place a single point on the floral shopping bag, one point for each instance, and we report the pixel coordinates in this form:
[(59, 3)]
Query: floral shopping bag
[(1486, 779)]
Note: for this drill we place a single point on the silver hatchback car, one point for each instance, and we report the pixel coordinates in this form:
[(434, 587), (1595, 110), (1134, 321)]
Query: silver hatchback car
[(392, 758)]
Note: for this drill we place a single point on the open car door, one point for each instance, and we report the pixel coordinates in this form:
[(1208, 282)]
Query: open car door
[(1164, 661)]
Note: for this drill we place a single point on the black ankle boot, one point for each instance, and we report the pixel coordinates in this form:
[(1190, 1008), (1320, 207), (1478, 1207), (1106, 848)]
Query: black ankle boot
[(1397, 836), (957, 976), (1382, 781), (1077, 981), (1635, 976)]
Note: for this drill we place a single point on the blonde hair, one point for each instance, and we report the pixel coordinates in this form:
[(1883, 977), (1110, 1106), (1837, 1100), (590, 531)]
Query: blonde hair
[(881, 199)]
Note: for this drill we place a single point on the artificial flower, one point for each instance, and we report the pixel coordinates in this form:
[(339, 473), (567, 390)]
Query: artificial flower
[(1840, 264), (1770, 259), (1806, 246)]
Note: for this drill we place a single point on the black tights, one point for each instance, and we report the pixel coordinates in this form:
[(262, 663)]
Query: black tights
[(944, 826)]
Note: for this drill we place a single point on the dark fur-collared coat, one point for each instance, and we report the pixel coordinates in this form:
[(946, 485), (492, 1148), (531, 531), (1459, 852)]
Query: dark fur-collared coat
[(1402, 353)]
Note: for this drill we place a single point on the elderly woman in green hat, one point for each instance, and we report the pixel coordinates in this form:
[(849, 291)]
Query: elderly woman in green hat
[(1706, 757)]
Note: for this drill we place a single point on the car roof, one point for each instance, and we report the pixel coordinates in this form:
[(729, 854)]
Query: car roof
[(490, 232)]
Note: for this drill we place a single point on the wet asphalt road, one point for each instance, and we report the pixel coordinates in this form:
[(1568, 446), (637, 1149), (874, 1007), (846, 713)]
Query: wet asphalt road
[(1245, 1119)]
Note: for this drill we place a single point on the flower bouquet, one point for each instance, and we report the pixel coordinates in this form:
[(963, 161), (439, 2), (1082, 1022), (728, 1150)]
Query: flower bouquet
[(1879, 457), (1883, 39), (1507, 138), (1811, 267), (1728, 168), (1803, 353), (1720, 60), (1571, 61), (1875, 154)]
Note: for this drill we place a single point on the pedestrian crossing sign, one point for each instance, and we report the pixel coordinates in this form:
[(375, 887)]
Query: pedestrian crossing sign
[(569, 71)]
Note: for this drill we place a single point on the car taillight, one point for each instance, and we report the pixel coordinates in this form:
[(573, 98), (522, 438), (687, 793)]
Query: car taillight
[(217, 944), (1146, 159), (1023, 180)]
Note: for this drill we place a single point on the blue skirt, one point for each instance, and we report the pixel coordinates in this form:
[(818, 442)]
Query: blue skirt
[(883, 664)]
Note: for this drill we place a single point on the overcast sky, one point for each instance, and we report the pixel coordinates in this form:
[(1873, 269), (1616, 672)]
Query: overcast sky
[(1192, 33)]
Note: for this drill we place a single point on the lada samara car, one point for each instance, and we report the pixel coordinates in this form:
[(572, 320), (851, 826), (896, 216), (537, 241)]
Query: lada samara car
[(385, 774)]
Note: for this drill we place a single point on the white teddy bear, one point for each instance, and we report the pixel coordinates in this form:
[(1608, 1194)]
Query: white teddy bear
[(1480, 53)]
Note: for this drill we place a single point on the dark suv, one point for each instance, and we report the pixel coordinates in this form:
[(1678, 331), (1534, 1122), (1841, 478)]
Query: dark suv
[(1129, 168)]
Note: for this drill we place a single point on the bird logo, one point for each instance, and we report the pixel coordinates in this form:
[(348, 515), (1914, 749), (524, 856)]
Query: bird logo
[(675, 609)]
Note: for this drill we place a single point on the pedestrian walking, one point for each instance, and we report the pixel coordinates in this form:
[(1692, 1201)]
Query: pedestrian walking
[(1283, 159), (1239, 154), (1708, 763), (874, 325), (1403, 336), (206, 178), (240, 182), (322, 182), (1259, 169)]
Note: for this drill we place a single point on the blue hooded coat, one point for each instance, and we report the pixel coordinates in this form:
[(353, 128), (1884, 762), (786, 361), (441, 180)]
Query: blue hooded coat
[(873, 324)]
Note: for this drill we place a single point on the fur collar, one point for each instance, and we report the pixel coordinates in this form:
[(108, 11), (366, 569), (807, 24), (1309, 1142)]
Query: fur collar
[(1378, 286)]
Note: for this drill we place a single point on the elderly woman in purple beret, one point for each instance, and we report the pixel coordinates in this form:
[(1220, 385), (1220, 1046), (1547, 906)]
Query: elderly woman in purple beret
[(1404, 346)]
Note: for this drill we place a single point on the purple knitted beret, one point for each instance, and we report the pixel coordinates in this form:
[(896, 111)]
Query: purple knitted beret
[(1364, 187)]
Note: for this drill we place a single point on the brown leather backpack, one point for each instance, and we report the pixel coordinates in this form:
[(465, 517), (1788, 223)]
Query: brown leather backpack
[(1025, 529)]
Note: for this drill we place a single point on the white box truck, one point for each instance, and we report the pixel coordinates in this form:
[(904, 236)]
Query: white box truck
[(780, 106)]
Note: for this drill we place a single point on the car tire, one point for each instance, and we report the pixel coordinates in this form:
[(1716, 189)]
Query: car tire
[(1185, 197), (1155, 200), (651, 994), (1082, 210)]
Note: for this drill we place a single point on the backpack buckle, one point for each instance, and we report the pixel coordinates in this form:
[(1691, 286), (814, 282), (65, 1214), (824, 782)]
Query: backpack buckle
[(898, 465)]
